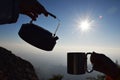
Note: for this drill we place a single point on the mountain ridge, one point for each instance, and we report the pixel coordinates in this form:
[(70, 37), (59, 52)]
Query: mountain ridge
[(13, 67)]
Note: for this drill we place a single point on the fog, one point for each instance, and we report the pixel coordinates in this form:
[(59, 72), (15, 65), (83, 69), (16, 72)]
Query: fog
[(47, 67), (54, 62)]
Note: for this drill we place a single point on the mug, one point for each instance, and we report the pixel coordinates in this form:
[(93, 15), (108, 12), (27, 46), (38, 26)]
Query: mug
[(37, 36), (77, 63)]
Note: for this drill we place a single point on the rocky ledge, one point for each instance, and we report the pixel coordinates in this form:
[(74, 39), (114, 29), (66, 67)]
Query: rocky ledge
[(13, 67)]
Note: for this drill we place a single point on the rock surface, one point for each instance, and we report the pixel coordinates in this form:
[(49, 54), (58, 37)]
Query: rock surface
[(15, 68)]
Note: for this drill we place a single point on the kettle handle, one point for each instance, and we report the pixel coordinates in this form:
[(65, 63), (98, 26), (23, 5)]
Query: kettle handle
[(31, 21), (52, 15), (57, 27)]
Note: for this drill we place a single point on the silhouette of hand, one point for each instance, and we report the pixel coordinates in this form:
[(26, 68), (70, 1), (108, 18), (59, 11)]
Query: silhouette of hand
[(32, 8), (105, 65)]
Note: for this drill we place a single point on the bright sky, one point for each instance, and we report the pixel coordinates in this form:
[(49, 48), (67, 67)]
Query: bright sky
[(86, 25)]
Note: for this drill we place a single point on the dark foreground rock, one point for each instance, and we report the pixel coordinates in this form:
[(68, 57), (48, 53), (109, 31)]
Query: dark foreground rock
[(15, 68)]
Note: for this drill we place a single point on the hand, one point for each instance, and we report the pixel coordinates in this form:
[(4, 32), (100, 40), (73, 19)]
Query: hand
[(105, 65), (32, 8)]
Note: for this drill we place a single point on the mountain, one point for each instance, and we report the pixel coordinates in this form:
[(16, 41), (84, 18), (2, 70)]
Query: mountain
[(13, 67)]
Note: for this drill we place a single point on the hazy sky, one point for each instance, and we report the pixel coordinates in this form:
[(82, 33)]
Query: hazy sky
[(103, 35)]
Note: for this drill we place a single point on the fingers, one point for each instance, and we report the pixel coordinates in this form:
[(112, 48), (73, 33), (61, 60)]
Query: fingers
[(97, 60), (97, 57), (33, 16), (45, 14), (93, 57), (40, 9), (32, 9), (51, 15), (102, 63)]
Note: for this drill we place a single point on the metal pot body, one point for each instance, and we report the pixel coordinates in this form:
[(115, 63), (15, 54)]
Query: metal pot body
[(37, 36)]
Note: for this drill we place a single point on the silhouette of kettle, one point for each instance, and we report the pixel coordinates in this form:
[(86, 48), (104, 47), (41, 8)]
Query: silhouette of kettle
[(38, 36)]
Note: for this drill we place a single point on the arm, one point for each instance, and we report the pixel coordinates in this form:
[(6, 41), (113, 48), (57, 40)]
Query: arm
[(9, 11), (118, 78), (105, 65)]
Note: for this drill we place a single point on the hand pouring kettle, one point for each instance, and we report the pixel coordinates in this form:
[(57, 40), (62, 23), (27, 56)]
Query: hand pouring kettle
[(38, 36)]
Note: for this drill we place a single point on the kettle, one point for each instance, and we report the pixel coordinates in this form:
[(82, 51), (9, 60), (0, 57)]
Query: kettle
[(38, 36)]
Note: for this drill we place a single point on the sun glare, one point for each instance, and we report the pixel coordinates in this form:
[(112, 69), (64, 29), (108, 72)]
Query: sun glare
[(84, 25)]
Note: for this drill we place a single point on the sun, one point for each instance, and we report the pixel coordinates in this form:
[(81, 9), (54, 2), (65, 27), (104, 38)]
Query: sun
[(84, 25)]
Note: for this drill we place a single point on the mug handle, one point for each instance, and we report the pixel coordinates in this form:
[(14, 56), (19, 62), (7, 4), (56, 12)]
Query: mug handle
[(89, 71)]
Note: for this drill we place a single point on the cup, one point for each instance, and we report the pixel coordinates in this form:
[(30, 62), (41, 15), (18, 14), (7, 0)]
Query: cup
[(77, 63), (37, 36)]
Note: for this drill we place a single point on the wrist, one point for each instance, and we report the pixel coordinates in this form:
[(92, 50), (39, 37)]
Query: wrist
[(118, 78), (116, 74), (15, 12)]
